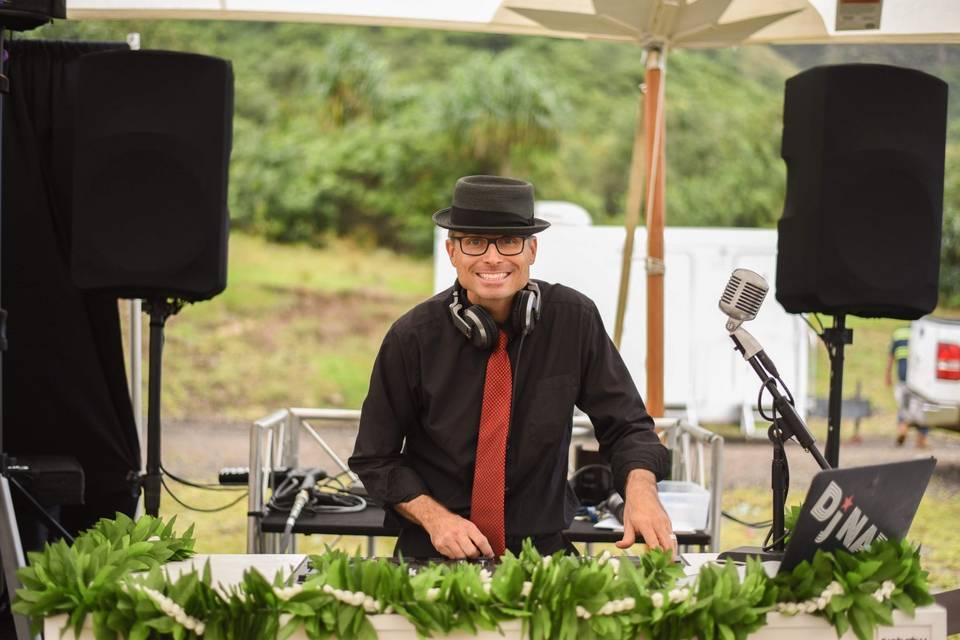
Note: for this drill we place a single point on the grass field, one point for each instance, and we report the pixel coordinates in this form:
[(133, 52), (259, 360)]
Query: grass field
[(300, 327), (296, 326)]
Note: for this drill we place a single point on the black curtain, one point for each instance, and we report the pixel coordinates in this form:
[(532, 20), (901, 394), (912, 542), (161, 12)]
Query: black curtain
[(64, 388)]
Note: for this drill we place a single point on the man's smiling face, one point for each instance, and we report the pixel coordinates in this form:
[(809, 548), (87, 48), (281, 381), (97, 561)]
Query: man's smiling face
[(491, 279)]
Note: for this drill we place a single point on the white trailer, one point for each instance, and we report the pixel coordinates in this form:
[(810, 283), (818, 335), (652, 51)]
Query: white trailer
[(704, 378)]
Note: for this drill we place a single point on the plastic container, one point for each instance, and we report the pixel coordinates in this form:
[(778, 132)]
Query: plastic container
[(687, 504)]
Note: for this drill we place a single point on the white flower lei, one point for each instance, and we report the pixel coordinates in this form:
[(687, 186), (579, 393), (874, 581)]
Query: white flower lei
[(814, 604), (356, 598), (172, 609)]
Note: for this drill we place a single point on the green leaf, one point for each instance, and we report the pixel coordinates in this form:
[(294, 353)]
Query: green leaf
[(868, 568), (861, 623), (345, 616), (903, 602)]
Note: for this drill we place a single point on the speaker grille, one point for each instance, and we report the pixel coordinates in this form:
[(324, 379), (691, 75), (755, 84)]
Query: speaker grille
[(860, 231), (153, 132)]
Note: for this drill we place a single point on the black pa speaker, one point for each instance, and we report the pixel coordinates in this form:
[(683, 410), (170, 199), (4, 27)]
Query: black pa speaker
[(153, 131), (860, 232)]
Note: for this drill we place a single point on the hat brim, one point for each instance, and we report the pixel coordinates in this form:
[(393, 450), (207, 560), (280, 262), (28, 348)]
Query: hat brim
[(442, 219)]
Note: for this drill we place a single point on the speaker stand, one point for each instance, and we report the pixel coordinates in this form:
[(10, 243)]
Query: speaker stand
[(159, 310), (835, 338)]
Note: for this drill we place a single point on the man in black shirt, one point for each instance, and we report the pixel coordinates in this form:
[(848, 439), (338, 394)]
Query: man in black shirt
[(465, 431)]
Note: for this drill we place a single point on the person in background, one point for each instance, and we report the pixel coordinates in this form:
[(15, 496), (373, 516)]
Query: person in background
[(899, 352)]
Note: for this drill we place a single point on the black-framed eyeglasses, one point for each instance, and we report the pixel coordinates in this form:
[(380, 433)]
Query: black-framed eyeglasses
[(477, 245)]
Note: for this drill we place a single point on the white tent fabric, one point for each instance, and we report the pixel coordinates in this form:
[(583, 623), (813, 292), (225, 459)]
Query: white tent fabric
[(674, 23)]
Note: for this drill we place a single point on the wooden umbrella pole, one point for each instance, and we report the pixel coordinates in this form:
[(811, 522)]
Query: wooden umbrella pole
[(632, 217), (656, 186)]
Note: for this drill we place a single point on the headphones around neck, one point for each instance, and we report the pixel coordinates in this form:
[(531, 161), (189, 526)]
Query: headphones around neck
[(478, 325)]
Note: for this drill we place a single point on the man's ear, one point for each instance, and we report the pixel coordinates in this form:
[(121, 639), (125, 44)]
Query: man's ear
[(449, 245), (533, 249)]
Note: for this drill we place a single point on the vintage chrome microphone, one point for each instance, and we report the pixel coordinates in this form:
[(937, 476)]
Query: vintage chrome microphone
[(740, 301), (742, 297)]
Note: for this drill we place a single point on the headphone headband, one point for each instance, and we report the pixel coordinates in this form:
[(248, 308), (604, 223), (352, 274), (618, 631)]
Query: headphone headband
[(479, 327)]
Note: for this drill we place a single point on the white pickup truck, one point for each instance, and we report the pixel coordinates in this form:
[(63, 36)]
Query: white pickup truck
[(933, 373)]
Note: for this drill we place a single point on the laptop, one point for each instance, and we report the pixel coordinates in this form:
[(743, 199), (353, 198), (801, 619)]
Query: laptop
[(851, 507)]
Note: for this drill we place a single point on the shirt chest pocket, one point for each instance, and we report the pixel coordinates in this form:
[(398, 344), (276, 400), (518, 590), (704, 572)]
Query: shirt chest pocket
[(550, 411)]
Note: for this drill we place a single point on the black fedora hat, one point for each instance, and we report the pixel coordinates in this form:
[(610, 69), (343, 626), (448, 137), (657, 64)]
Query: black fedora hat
[(491, 204)]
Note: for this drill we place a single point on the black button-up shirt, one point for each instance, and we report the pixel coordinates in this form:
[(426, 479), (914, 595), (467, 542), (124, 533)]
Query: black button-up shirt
[(419, 422)]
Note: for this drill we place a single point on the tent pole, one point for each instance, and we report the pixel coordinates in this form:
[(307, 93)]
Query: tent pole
[(656, 186), (136, 344)]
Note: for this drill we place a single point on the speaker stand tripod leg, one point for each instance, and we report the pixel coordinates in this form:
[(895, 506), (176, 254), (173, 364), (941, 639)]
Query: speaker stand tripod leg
[(11, 554)]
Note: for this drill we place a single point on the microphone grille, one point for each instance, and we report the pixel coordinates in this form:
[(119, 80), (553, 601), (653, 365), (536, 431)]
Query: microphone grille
[(750, 298), (730, 292)]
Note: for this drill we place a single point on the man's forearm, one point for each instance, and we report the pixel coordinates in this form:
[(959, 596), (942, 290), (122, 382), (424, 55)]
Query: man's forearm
[(422, 510), (640, 482), (643, 514)]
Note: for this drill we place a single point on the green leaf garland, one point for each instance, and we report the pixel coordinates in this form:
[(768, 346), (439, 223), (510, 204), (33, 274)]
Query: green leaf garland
[(113, 576)]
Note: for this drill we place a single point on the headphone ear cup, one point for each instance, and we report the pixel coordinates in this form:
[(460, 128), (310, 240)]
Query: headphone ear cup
[(483, 328), (524, 315)]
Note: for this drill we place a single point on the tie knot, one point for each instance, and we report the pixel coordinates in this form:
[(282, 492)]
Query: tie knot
[(502, 340)]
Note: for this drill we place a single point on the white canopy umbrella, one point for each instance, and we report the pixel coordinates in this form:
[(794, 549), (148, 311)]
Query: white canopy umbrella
[(675, 23), (655, 25)]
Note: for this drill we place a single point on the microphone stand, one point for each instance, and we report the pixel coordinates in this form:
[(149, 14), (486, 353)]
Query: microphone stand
[(788, 425)]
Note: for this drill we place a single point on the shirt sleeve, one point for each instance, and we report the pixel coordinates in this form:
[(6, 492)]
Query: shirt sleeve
[(387, 412), (609, 397)]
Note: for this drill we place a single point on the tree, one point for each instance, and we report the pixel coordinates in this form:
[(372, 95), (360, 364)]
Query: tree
[(349, 81), (496, 110)]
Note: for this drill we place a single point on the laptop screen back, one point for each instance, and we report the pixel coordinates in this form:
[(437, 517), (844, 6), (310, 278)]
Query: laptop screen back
[(850, 508)]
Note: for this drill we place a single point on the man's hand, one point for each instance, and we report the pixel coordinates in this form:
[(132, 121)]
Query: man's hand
[(457, 537), (451, 535), (643, 514)]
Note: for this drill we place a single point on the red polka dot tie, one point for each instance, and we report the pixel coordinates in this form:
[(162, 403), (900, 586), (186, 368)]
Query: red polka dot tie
[(489, 474)]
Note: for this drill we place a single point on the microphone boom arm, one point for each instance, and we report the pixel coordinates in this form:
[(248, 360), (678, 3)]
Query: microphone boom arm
[(791, 423)]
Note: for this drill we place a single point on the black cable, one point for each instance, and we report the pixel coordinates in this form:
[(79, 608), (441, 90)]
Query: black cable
[(786, 464), (200, 509), (326, 482), (589, 467), (817, 332), (819, 322), (763, 414), (514, 383), (320, 501), (769, 545), (752, 525), (198, 485), (784, 386), (39, 509)]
